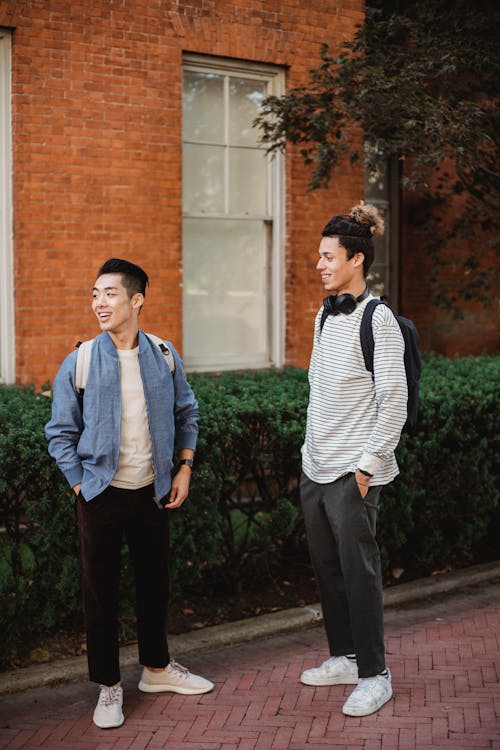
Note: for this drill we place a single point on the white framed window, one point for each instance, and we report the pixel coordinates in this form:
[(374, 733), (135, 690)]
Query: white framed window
[(232, 219), (382, 190), (7, 363)]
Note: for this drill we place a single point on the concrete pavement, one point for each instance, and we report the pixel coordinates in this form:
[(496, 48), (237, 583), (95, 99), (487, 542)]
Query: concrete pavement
[(442, 636)]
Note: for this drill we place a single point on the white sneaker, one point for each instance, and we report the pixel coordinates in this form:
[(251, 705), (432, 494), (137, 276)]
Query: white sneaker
[(370, 694), (337, 670), (108, 712), (174, 678)]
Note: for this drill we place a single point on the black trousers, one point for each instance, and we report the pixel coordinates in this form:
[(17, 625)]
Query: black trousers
[(340, 527), (102, 523)]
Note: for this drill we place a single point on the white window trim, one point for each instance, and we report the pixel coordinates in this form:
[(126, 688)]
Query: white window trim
[(7, 332), (277, 196)]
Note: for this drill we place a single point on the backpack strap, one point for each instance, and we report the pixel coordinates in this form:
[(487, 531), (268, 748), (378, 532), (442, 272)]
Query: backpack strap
[(82, 365), (164, 350), (85, 352), (366, 333)]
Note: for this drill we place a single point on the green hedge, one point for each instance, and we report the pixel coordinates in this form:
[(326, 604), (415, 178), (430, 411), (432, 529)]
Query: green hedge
[(243, 503)]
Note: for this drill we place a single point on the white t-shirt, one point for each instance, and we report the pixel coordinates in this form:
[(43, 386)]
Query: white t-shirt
[(135, 464)]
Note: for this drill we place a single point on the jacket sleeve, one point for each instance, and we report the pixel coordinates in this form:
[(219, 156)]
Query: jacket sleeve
[(65, 427), (391, 390), (185, 408)]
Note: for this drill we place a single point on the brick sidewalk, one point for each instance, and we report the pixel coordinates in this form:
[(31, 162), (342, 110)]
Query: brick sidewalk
[(445, 664)]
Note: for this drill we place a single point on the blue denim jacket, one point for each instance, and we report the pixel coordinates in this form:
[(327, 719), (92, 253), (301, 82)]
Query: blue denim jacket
[(86, 445)]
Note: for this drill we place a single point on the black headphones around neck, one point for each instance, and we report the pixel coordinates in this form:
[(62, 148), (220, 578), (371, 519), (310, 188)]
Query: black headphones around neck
[(345, 304)]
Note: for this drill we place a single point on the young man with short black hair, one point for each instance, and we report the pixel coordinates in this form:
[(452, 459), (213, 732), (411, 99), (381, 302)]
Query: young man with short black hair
[(116, 452)]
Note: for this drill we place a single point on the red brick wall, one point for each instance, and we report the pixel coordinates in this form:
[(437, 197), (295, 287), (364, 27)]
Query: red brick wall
[(477, 331), (97, 154)]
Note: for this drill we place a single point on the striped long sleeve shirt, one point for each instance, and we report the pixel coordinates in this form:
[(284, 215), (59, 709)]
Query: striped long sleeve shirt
[(353, 420)]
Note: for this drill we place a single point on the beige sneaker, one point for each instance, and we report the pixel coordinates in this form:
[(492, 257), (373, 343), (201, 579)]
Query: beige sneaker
[(108, 712), (174, 678)]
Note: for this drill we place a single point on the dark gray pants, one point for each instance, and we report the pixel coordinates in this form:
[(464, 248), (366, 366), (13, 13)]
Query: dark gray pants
[(340, 529)]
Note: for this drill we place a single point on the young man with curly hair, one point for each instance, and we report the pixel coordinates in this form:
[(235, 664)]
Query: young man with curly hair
[(354, 423)]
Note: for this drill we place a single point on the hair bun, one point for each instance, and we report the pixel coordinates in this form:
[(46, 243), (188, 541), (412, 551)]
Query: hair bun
[(369, 215)]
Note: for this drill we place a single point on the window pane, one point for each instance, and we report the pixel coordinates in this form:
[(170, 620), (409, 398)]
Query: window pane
[(245, 97), (7, 319), (376, 173), (247, 181), (225, 290), (377, 192), (376, 280), (203, 107), (382, 255), (203, 178)]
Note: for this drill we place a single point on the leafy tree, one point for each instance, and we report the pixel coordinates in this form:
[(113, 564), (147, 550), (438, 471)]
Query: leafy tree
[(422, 85)]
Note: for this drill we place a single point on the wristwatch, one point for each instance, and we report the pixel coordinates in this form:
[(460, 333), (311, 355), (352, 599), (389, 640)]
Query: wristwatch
[(186, 461), (365, 473)]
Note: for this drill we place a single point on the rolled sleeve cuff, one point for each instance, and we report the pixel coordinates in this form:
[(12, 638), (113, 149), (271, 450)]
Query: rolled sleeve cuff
[(370, 463), (186, 439), (74, 476)]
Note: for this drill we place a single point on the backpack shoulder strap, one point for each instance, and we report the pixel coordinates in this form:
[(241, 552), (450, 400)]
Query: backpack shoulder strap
[(164, 349), (85, 352), (366, 333), (83, 364)]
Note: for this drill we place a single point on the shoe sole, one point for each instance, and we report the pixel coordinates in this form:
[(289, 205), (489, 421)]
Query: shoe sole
[(109, 726), (147, 688), (358, 713), (326, 682)]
